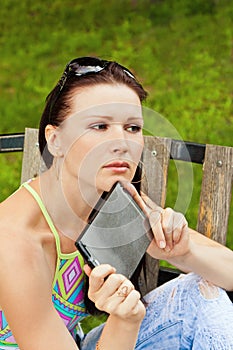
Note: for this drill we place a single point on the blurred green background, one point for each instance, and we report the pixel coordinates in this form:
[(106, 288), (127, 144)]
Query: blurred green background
[(181, 50)]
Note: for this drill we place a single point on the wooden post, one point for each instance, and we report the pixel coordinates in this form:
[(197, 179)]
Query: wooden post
[(156, 158), (216, 189), (32, 163)]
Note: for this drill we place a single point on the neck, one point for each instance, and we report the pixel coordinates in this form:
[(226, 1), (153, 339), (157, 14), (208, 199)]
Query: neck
[(68, 204)]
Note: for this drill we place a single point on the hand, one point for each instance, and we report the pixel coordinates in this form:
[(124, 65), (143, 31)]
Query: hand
[(170, 229), (114, 294)]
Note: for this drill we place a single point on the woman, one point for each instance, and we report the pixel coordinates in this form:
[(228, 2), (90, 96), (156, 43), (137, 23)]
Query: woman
[(90, 137)]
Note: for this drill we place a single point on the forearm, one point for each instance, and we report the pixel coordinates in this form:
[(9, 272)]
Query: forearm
[(211, 260), (119, 334)]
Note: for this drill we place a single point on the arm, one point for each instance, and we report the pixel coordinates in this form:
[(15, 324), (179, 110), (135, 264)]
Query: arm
[(126, 312), (25, 296), (207, 258), (189, 250), (183, 247)]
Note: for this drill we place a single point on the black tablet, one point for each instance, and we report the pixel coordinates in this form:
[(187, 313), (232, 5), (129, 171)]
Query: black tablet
[(118, 232)]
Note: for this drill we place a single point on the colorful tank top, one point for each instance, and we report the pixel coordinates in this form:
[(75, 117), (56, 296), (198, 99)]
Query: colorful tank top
[(67, 288)]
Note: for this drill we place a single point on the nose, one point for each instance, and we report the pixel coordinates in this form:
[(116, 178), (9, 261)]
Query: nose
[(119, 143), (119, 146)]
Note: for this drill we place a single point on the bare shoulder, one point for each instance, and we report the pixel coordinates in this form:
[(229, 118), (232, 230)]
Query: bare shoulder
[(26, 276), (22, 261), (21, 248), (23, 268), (17, 249)]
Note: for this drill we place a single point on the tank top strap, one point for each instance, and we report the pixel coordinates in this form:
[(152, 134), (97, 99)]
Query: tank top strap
[(45, 213)]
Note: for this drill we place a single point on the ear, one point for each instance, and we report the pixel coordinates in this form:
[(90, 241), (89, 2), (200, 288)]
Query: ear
[(52, 136)]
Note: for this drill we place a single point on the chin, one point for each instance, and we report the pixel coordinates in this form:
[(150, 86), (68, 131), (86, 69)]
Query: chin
[(105, 185)]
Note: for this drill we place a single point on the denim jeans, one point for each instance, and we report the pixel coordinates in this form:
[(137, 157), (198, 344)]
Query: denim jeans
[(185, 313)]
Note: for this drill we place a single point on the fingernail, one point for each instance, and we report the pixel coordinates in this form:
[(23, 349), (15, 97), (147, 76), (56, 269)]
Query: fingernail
[(162, 244)]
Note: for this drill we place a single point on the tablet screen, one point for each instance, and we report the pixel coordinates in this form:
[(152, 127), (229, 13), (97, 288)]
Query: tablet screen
[(118, 232)]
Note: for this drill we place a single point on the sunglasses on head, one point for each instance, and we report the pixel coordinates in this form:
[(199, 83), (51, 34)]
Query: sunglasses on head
[(84, 66), (87, 65)]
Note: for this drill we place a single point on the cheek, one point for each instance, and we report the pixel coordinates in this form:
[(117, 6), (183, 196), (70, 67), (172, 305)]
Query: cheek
[(75, 157), (86, 159), (136, 150)]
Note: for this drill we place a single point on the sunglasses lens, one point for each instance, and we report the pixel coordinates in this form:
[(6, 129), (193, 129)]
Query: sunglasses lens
[(82, 70), (85, 65)]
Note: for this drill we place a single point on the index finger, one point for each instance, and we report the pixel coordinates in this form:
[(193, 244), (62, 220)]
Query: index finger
[(135, 195), (150, 203)]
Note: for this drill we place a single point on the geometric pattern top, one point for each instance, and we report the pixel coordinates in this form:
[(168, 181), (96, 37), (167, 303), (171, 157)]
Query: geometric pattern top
[(67, 290)]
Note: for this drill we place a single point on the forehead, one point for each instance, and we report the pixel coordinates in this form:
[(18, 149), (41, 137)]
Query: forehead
[(107, 97)]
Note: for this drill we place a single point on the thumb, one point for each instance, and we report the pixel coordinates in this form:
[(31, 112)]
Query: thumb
[(87, 270)]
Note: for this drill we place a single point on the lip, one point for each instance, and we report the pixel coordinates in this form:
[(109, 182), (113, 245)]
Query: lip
[(117, 167), (117, 164)]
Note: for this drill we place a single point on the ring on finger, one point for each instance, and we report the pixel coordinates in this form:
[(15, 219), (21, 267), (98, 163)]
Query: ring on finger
[(123, 291)]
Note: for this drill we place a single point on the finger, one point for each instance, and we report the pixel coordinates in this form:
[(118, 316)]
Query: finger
[(87, 269), (180, 223), (98, 275), (131, 303), (132, 299), (153, 214), (143, 201), (105, 297), (124, 289), (135, 195), (149, 202), (156, 226), (113, 293), (113, 283), (168, 226), (177, 235), (123, 305)]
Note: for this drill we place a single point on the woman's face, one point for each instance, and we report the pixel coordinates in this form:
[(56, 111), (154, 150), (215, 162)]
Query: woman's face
[(102, 138)]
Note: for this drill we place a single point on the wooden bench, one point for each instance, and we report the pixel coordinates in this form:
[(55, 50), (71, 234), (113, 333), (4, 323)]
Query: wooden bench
[(215, 192)]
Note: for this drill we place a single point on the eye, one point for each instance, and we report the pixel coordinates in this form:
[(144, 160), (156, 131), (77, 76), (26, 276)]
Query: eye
[(99, 126), (133, 128)]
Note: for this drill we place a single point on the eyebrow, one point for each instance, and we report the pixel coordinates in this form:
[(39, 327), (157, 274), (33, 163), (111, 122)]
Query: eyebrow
[(111, 118)]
